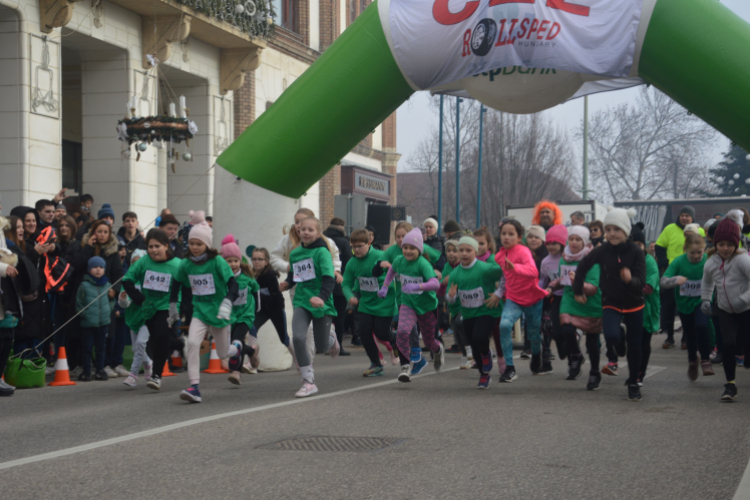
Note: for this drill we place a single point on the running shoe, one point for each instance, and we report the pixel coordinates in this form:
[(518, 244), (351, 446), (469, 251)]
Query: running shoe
[(693, 370), (130, 381), (594, 380), (551, 357), (415, 355), (101, 376), (610, 369), (509, 375), (469, 353), (248, 369), (416, 368), (621, 347), (75, 372), (84, 377), (404, 376), (668, 344), (536, 363), (307, 389), (484, 381), (525, 354), (439, 360), (154, 382), (373, 371), (713, 354), (121, 371), (465, 363), (486, 363), (574, 366), (394, 356), (708, 368), (192, 394), (235, 378), (110, 372), (718, 359), (634, 393), (546, 368), (730, 393), (740, 360), (234, 363)]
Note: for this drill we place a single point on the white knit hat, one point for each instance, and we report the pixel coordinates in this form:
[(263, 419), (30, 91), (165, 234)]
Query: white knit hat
[(580, 231), (620, 217), (694, 228), (431, 221)]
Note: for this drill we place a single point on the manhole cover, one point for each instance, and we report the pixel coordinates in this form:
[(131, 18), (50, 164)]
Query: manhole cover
[(334, 443)]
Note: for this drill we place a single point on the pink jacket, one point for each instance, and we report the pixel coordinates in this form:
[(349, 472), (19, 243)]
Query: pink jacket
[(521, 283)]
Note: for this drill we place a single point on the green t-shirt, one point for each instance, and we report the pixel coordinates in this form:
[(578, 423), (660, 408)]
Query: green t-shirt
[(155, 279), (454, 308), (309, 265), (475, 285), (243, 307), (653, 303), (208, 282), (418, 271), (358, 278), (593, 306), (688, 295), (394, 252), (134, 314)]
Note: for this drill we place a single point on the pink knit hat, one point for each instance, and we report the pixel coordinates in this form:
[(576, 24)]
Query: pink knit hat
[(197, 217), (415, 239), (202, 232), (230, 248), (557, 234)]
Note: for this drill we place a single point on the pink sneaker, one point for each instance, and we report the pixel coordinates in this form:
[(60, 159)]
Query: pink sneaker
[(131, 381), (234, 378), (394, 357), (147, 370), (307, 389), (334, 352)]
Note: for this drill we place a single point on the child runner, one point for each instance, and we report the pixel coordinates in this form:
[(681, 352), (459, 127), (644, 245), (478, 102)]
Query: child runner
[(155, 273), (623, 276), (485, 253), (374, 315), (685, 274), (312, 274), (523, 296), (214, 290), (271, 298), (138, 330), (728, 269), (651, 291), (585, 317), (243, 307), (457, 323), (549, 271), (93, 303), (418, 301), (471, 283)]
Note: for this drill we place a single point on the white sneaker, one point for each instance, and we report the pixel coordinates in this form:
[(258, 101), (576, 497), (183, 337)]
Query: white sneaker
[(439, 360), (248, 369), (50, 370), (147, 370), (110, 372), (154, 383), (75, 372), (234, 377), (470, 355), (131, 381), (121, 371), (405, 375), (394, 357), (307, 389), (465, 363)]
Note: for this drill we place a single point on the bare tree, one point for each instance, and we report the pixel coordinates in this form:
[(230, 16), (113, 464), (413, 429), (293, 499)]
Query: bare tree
[(651, 149)]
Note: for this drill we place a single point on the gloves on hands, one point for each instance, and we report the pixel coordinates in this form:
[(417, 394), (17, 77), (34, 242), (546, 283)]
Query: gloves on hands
[(174, 314), (225, 310), (383, 292), (706, 307)]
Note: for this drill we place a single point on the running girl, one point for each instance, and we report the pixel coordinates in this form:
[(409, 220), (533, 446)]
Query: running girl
[(243, 307), (651, 291), (138, 330), (271, 298), (457, 323), (485, 253), (471, 283), (214, 290), (312, 273), (523, 296), (155, 274), (418, 301), (549, 271)]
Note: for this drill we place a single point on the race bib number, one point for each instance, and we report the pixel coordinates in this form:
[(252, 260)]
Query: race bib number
[(471, 299), (565, 275), (158, 282), (368, 284), (202, 284), (241, 299), (691, 288), (405, 280), (304, 270), (553, 275), (264, 291)]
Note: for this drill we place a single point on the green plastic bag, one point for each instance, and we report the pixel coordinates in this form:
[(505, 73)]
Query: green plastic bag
[(26, 373)]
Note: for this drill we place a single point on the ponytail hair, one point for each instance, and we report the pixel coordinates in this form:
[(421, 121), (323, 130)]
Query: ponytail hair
[(293, 230)]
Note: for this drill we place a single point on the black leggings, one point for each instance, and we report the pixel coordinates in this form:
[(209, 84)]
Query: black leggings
[(633, 321), (162, 340), (339, 303), (695, 331), (645, 352), (457, 325), (574, 350), (239, 331), (367, 324), (278, 319), (478, 332), (552, 311), (734, 334)]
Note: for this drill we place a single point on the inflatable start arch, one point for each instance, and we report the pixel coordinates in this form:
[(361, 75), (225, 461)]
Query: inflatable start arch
[(519, 56)]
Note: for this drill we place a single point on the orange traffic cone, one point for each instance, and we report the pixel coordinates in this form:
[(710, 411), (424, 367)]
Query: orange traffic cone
[(62, 375), (165, 372), (214, 363), (176, 359)]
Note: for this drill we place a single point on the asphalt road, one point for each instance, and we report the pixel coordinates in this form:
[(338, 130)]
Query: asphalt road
[(539, 437)]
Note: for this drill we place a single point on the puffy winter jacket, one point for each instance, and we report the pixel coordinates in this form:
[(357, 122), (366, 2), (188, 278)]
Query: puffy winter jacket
[(731, 279), (98, 313)]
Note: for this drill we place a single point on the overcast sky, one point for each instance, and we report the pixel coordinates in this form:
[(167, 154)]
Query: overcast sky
[(415, 119)]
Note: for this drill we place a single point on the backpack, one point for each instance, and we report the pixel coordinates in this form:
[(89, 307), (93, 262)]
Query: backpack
[(58, 272)]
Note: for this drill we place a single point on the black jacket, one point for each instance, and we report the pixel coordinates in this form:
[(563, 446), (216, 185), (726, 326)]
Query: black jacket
[(130, 245), (338, 236), (271, 298), (108, 252), (611, 259)]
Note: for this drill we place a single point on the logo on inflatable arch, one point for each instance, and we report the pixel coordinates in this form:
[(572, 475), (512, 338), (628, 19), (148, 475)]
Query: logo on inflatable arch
[(526, 32)]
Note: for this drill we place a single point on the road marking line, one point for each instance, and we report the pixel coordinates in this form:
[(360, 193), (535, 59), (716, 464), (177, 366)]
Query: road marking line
[(188, 423), (743, 490), (653, 370)]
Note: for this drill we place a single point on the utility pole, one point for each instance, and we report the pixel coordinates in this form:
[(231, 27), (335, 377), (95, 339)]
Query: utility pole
[(479, 171), (586, 148), (440, 170), (458, 160)]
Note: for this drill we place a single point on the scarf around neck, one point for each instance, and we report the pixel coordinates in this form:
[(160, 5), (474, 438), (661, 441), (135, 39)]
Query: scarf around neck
[(99, 281), (571, 257), (199, 258)]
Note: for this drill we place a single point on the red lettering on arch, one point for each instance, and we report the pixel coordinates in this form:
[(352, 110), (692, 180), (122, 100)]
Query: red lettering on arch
[(466, 49), (571, 8), (444, 16), (501, 2)]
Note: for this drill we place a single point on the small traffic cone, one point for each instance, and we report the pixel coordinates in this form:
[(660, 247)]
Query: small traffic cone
[(176, 359), (62, 375), (165, 372), (214, 363)]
